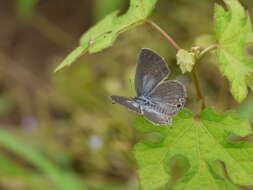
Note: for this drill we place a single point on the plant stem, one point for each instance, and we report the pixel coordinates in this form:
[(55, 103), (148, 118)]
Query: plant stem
[(196, 81), (209, 48), (164, 34)]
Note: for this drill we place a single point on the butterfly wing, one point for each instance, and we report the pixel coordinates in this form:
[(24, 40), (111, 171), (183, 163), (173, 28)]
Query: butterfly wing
[(171, 95), (127, 102), (151, 69), (157, 118)]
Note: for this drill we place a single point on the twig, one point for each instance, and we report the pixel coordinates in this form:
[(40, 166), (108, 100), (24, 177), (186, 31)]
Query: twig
[(163, 33), (196, 81)]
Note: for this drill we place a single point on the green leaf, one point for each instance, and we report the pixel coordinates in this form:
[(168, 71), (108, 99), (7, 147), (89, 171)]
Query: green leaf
[(105, 32), (63, 180), (202, 141), (233, 34)]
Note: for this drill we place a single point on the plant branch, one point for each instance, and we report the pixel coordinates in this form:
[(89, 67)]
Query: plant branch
[(196, 81), (163, 33)]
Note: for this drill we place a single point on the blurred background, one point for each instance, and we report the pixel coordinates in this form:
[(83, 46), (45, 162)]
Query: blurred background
[(60, 130)]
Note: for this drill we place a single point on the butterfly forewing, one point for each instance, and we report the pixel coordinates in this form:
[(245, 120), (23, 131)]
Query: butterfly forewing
[(151, 70), (126, 102)]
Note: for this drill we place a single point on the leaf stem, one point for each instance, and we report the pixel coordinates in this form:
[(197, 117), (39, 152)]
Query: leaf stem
[(206, 50), (196, 81), (163, 33)]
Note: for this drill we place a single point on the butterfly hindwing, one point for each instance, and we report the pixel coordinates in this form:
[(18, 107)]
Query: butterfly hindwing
[(171, 94), (157, 118)]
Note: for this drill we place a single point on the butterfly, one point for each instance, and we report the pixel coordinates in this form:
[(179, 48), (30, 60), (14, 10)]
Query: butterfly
[(157, 100)]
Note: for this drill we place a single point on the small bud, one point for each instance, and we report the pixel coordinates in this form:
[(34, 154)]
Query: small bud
[(185, 60)]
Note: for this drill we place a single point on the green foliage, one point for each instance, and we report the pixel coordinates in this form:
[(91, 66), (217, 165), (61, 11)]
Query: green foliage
[(25, 8), (202, 141), (233, 33), (63, 180), (104, 33)]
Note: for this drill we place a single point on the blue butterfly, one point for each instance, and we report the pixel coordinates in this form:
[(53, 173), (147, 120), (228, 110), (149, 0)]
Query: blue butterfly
[(157, 100)]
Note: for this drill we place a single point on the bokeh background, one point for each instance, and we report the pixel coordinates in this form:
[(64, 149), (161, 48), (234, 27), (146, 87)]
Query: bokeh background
[(60, 130)]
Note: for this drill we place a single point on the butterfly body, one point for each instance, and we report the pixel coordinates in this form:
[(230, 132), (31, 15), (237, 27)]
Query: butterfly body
[(156, 99), (146, 104)]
